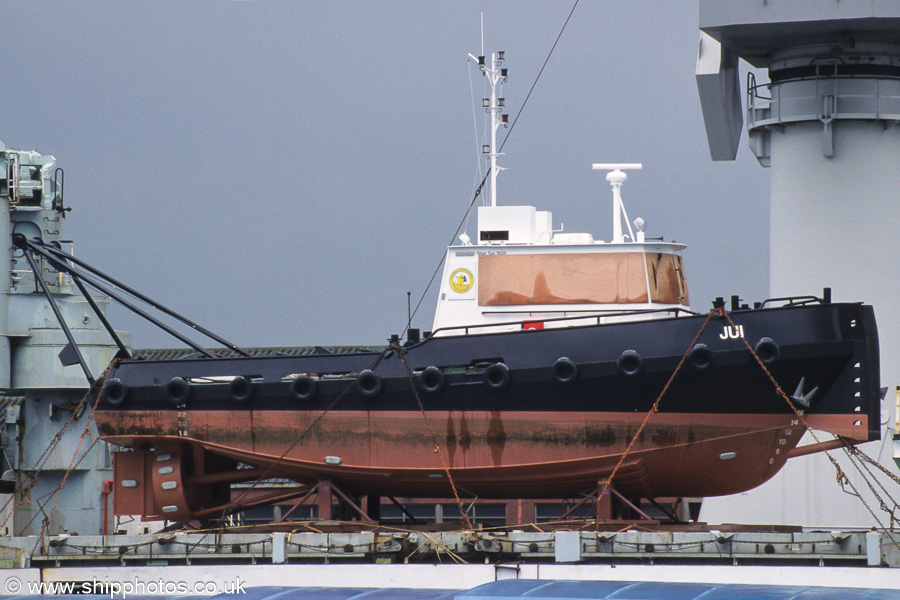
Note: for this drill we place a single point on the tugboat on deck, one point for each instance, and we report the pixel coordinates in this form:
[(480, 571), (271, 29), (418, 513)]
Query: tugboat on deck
[(547, 354)]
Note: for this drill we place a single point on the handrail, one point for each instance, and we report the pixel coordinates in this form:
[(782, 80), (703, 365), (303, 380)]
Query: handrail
[(798, 300), (790, 300), (12, 178), (59, 186), (753, 88), (602, 313)]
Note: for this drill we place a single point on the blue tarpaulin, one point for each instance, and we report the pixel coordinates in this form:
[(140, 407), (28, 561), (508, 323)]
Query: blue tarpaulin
[(650, 590), (517, 589)]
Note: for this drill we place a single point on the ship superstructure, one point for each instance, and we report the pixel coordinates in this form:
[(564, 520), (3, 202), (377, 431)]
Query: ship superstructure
[(47, 432), (520, 269)]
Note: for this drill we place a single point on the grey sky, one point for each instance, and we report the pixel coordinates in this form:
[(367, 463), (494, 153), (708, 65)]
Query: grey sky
[(284, 172)]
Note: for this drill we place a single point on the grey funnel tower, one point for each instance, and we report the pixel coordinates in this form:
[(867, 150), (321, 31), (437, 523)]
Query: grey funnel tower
[(826, 125)]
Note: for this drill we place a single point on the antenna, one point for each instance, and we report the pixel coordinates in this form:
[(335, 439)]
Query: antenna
[(408, 310), (482, 34), (616, 177)]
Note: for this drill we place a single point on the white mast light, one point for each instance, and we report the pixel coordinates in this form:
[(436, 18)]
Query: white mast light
[(640, 225)]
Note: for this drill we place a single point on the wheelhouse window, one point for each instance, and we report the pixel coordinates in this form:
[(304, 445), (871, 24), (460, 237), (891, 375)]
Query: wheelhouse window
[(665, 274), (584, 278)]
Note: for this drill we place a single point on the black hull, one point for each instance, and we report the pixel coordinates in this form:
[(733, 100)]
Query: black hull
[(523, 430), (819, 343)]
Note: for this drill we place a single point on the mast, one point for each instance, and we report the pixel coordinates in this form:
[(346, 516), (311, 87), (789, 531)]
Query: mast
[(616, 177), (496, 76)]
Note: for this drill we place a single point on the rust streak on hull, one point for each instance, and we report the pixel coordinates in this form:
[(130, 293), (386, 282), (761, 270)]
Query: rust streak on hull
[(556, 455)]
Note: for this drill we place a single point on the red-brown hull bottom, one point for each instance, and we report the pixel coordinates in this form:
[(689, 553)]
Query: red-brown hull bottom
[(504, 454)]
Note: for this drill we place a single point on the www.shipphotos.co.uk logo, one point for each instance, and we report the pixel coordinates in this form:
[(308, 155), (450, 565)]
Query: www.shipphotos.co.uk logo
[(461, 281)]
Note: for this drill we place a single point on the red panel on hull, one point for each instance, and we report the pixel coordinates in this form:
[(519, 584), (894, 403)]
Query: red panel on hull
[(502, 455), (131, 494)]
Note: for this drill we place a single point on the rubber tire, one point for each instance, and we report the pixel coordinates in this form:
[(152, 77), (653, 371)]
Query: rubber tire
[(304, 388), (369, 383), (700, 357), (630, 363), (496, 377), (431, 380), (178, 391), (115, 393), (241, 389), (565, 371), (767, 350)]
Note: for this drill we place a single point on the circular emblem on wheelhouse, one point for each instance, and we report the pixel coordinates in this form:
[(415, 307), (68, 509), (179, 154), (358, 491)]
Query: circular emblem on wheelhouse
[(461, 281)]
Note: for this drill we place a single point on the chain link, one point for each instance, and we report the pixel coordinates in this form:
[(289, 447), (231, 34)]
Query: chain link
[(839, 474), (608, 481)]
